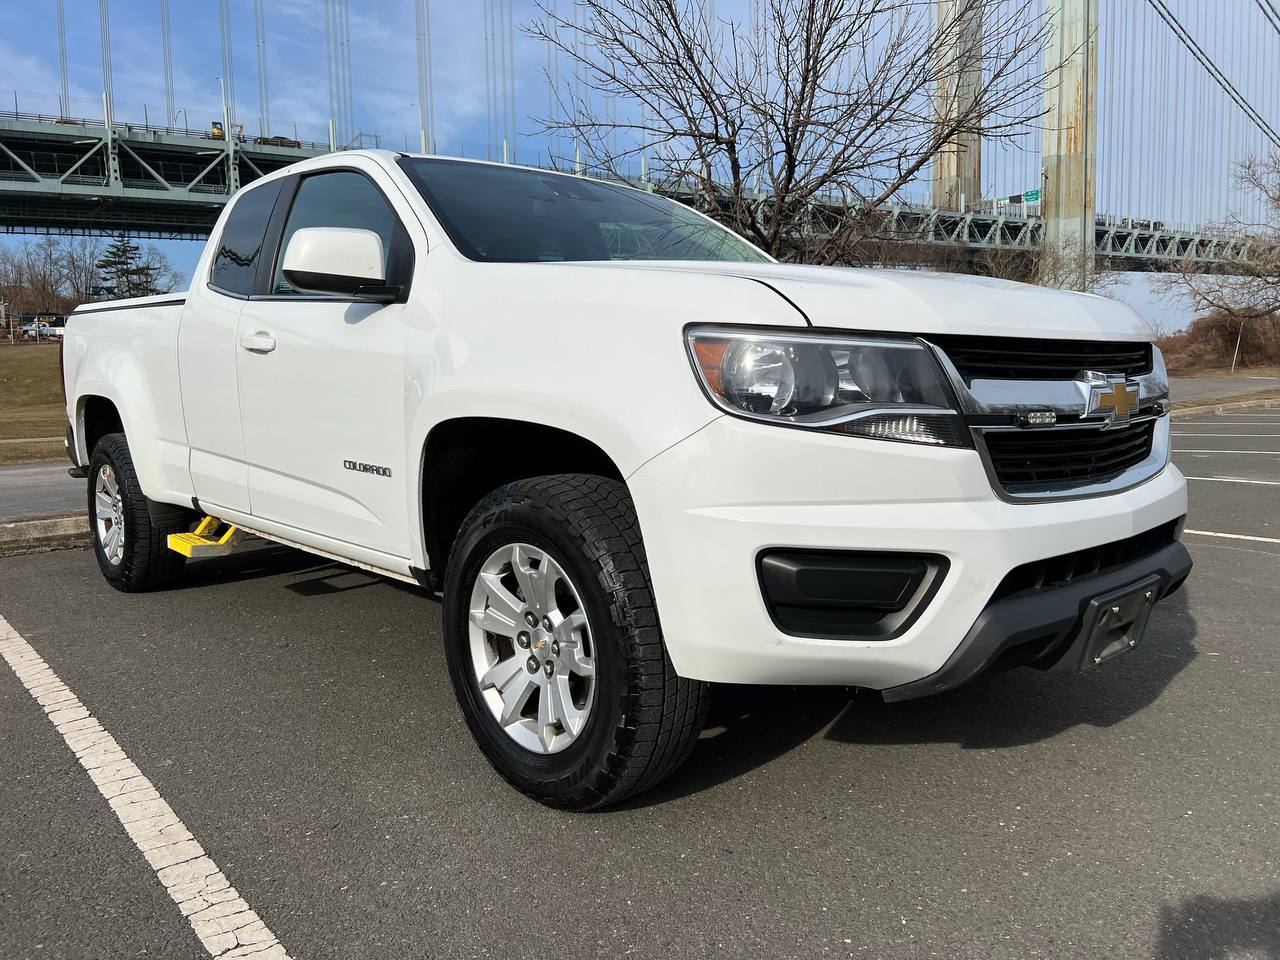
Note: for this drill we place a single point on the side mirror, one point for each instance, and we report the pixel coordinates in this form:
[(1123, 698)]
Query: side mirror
[(340, 260)]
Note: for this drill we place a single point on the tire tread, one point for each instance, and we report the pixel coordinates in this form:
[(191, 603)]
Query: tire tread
[(149, 564), (663, 713)]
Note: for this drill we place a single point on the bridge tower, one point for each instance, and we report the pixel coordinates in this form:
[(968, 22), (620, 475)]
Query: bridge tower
[(957, 169), (1070, 143)]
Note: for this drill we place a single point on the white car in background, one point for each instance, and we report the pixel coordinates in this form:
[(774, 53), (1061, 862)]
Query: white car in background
[(635, 454), (41, 330)]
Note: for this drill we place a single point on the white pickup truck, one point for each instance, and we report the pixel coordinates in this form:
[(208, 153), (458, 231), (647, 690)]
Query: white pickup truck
[(633, 453)]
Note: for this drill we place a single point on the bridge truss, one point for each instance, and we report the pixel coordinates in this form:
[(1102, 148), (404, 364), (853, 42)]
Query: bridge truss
[(84, 177)]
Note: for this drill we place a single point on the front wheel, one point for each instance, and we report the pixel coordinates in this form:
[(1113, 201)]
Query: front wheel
[(554, 647), (131, 547)]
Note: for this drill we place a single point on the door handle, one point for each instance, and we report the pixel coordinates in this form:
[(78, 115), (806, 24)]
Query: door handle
[(260, 342)]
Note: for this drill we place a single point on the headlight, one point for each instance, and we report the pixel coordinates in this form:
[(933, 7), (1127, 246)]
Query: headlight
[(884, 389)]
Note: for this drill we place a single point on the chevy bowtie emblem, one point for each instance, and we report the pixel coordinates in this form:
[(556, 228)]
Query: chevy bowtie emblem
[(1114, 396)]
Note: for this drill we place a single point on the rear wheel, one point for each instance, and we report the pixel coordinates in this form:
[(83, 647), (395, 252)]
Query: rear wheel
[(554, 647), (131, 546)]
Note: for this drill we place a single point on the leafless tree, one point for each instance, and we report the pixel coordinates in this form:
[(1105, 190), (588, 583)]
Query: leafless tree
[(797, 127), (80, 257), (1249, 290), (162, 276), (1064, 267), (55, 274)]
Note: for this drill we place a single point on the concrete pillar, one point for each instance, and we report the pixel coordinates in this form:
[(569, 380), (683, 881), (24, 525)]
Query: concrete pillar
[(1070, 142), (957, 169)]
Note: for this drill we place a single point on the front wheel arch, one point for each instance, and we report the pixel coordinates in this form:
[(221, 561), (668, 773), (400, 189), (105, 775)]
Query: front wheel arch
[(466, 458)]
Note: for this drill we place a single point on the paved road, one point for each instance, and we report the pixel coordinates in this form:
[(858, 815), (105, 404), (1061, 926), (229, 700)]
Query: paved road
[(30, 490), (297, 717)]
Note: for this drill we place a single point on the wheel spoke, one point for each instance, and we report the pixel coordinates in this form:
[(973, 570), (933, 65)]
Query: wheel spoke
[(571, 647), (537, 583), (546, 716), (514, 697), (103, 501), (111, 544), (566, 630), (551, 575), (562, 707), (502, 673), (578, 662), (506, 602), (502, 613)]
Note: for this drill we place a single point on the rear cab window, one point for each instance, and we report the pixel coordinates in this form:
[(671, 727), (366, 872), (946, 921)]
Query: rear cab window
[(240, 246)]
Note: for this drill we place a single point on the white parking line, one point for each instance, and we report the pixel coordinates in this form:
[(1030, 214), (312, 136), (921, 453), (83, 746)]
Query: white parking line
[(227, 928), (1178, 434), (1273, 453), (1223, 423), (1267, 483), (1233, 536)]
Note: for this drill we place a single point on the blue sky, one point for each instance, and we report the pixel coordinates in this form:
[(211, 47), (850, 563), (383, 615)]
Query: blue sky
[(1189, 177)]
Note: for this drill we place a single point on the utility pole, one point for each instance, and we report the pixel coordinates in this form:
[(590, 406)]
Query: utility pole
[(957, 169), (1070, 140)]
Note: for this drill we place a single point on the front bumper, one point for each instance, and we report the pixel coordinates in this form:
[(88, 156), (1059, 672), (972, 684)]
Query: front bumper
[(1050, 621), (711, 504)]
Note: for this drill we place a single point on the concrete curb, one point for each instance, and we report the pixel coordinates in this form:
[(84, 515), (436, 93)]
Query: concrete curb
[(37, 536), (1181, 413)]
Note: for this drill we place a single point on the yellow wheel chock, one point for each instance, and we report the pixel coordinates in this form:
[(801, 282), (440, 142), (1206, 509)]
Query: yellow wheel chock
[(204, 541)]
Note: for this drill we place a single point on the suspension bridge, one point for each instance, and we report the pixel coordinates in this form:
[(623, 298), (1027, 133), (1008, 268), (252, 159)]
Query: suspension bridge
[(1154, 106)]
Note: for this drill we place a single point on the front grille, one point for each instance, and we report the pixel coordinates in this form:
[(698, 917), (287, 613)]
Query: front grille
[(1063, 569), (1026, 358), (1023, 459)]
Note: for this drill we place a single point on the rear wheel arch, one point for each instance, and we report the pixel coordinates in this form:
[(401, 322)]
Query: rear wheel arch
[(466, 458), (99, 417)]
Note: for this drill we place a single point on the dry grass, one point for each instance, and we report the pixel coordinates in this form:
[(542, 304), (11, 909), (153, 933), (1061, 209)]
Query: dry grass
[(33, 451), (1233, 398), (1224, 372), (30, 403)]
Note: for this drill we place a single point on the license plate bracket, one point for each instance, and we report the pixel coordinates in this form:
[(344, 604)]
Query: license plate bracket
[(1114, 623)]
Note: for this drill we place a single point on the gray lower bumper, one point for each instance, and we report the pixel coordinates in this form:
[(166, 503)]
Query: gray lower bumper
[(1052, 618)]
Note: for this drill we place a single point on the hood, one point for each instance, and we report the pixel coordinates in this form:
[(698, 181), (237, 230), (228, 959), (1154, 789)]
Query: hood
[(923, 303)]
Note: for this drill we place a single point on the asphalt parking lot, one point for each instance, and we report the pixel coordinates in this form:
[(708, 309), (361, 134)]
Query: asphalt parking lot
[(297, 717)]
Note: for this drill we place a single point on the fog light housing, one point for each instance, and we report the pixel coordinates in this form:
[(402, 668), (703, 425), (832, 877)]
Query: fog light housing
[(848, 595)]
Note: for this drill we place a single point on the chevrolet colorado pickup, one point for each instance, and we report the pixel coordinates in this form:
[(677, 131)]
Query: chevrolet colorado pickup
[(633, 454)]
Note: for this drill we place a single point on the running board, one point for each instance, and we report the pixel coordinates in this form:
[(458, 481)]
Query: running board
[(202, 543)]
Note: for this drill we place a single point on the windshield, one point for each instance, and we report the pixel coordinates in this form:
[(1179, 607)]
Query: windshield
[(512, 215)]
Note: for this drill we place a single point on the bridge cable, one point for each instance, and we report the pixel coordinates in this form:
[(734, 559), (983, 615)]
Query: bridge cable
[(1218, 76), (1270, 12)]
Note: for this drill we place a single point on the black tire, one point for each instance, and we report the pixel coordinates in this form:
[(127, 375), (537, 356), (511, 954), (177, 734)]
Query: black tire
[(146, 563), (645, 718)]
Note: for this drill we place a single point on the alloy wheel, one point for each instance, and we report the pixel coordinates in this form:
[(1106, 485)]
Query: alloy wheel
[(531, 649), (108, 515)]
